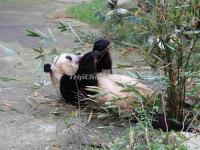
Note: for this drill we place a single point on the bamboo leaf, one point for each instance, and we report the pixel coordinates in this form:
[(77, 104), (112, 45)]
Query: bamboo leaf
[(8, 79), (40, 56), (38, 50), (31, 33), (62, 27), (124, 66)]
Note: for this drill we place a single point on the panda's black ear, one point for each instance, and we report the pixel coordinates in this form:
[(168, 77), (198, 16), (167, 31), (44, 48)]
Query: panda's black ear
[(47, 68)]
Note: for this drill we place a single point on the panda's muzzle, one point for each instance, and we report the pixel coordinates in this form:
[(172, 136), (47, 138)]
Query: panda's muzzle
[(47, 68)]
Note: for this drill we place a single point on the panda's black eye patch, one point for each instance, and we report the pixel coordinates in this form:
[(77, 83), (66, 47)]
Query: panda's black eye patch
[(68, 57)]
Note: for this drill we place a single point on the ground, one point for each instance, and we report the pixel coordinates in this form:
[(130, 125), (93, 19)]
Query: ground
[(33, 119), (22, 125)]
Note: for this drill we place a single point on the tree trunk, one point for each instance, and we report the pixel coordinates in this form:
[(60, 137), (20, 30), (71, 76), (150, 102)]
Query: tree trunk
[(175, 96)]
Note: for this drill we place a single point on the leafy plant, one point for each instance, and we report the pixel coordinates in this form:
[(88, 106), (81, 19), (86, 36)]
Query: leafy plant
[(173, 43), (44, 37), (85, 11), (142, 137), (168, 39)]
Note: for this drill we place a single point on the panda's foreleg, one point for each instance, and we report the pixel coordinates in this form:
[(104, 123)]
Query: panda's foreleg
[(107, 63), (88, 64), (86, 73)]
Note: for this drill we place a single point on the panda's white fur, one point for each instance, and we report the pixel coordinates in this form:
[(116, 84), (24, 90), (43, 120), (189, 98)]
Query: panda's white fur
[(126, 4), (107, 82), (60, 66)]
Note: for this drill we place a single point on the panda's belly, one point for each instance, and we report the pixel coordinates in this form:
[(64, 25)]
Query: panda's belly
[(126, 80), (108, 82), (123, 79)]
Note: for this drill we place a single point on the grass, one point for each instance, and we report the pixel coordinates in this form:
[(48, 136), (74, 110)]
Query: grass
[(139, 138), (86, 11)]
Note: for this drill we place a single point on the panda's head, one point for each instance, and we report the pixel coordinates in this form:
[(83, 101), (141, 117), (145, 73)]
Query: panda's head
[(63, 64)]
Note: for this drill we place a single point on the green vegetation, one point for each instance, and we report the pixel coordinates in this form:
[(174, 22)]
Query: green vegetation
[(141, 138), (170, 51), (86, 11), (167, 38), (94, 13)]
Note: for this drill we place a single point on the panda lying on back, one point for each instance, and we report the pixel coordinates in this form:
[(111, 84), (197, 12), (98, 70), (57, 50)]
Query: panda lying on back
[(67, 71), (72, 74)]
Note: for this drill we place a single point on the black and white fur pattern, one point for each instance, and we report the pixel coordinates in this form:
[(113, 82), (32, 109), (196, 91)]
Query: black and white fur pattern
[(104, 62), (61, 65), (64, 75), (72, 82)]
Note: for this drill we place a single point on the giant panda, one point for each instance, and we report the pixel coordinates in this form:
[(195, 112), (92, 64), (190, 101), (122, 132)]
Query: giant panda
[(66, 71), (61, 65), (71, 75)]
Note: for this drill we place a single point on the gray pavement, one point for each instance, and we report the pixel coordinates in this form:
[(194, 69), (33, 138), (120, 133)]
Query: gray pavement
[(24, 125)]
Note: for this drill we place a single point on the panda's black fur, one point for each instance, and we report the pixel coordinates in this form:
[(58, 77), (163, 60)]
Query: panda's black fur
[(159, 122), (104, 59), (72, 87), (47, 68)]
